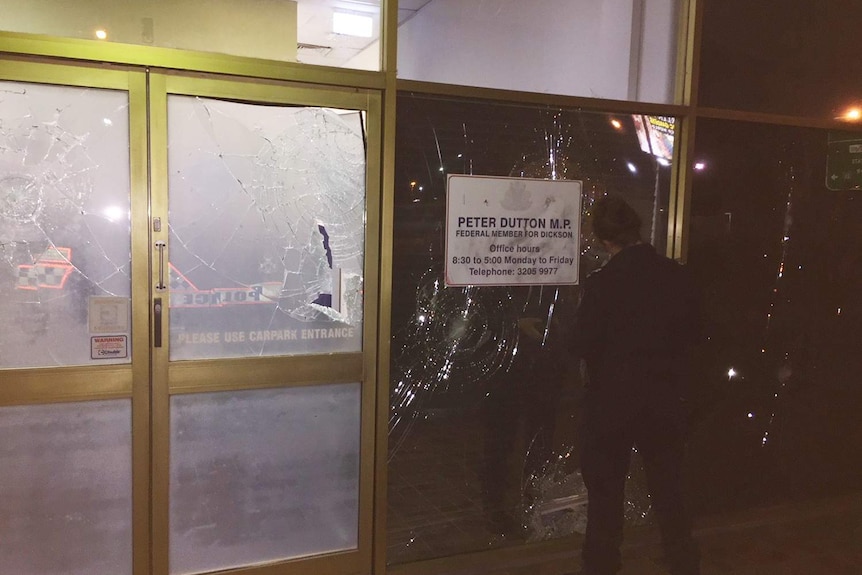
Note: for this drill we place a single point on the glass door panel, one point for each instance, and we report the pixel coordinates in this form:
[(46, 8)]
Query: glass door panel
[(266, 387), (74, 469), (65, 273), (267, 228), (263, 475), (244, 247), (66, 489)]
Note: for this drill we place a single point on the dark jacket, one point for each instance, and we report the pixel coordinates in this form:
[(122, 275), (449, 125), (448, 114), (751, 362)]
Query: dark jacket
[(637, 319)]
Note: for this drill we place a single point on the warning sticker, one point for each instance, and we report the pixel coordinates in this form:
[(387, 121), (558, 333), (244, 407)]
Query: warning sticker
[(109, 347)]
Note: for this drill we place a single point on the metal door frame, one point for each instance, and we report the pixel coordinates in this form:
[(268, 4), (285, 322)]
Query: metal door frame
[(145, 381)]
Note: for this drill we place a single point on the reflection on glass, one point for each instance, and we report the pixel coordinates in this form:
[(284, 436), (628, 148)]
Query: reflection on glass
[(778, 255), (267, 222), (64, 225), (591, 48), (782, 57), (307, 31), (484, 397), (66, 489), (264, 475)]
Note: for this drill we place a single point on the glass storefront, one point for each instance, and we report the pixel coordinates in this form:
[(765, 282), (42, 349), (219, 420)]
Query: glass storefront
[(484, 411), (777, 255), (175, 456)]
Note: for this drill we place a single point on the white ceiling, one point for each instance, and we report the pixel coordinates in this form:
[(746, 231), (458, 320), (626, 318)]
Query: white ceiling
[(318, 44)]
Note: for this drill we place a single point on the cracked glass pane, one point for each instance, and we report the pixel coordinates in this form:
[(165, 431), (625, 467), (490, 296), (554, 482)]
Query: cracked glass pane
[(267, 229), (64, 226), (485, 396)]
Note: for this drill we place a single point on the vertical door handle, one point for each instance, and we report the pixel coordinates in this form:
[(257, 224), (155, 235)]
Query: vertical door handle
[(157, 322), (160, 245)]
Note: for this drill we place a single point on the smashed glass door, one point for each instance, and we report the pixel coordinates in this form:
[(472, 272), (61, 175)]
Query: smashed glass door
[(67, 384), (260, 267), (267, 213), (65, 248)]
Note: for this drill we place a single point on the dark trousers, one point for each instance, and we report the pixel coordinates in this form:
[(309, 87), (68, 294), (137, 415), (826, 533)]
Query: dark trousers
[(604, 465)]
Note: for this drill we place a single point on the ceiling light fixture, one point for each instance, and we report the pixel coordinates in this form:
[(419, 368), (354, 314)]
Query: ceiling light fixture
[(352, 24)]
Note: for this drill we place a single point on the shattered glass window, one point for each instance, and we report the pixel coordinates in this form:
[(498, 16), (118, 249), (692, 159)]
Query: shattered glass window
[(267, 229), (64, 226), (485, 397)]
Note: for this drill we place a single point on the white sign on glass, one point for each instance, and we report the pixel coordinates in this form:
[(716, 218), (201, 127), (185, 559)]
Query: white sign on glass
[(512, 231)]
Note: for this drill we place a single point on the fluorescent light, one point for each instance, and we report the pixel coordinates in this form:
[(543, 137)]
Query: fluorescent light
[(352, 24)]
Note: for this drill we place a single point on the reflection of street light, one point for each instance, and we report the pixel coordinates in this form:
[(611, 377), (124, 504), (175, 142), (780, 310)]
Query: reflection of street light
[(851, 115), (700, 166)]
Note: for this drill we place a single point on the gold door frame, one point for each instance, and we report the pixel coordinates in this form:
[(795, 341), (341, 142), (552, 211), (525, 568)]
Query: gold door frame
[(150, 380), (188, 377), (129, 381)]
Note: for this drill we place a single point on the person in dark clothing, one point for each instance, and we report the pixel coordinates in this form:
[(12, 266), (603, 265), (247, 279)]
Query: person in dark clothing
[(636, 320)]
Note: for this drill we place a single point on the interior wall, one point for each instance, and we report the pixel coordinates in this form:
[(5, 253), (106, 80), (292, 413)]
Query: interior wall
[(256, 28), (658, 50), (570, 47)]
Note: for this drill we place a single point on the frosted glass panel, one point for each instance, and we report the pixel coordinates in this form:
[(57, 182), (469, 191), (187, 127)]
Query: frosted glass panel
[(64, 226), (264, 475), (267, 225), (66, 489)]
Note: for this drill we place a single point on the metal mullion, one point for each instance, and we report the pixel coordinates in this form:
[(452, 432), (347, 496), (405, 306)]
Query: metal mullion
[(139, 170), (159, 396), (516, 98), (290, 95), (40, 72), (65, 384), (260, 373), (371, 344), (386, 120), (186, 60), (337, 563)]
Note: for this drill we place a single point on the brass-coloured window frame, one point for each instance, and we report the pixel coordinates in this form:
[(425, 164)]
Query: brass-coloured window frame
[(126, 381), (150, 402), (202, 376)]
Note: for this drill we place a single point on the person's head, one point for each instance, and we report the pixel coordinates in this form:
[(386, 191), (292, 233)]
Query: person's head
[(615, 223)]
